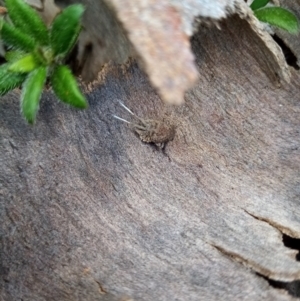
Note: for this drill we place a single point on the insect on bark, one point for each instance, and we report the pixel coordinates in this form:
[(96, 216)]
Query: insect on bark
[(154, 131)]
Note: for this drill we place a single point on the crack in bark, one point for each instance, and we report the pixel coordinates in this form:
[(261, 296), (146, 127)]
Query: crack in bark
[(290, 57), (274, 224), (291, 287), (292, 243)]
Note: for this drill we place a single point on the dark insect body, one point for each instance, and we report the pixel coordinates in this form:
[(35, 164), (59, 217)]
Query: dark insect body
[(154, 131)]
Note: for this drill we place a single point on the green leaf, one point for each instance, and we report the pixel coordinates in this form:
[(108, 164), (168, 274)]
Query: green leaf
[(65, 87), (65, 29), (13, 55), (1, 21), (31, 93), (9, 80), (278, 17), (44, 55), (27, 20), (24, 65), (256, 4), (15, 38)]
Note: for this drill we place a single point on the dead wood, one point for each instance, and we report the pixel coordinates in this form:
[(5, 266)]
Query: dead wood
[(90, 212), (157, 32)]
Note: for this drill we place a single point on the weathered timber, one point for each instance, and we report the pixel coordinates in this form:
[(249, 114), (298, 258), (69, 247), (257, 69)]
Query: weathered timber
[(88, 210)]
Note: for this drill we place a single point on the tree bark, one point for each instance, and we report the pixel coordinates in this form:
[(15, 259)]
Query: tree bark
[(90, 212)]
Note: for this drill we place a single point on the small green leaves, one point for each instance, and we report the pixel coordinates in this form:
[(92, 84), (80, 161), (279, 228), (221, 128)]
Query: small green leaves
[(24, 65), (14, 37), (36, 52), (65, 29), (276, 16), (13, 55), (256, 4), (66, 88), (9, 80), (27, 19), (279, 17), (31, 93), (1, 21)]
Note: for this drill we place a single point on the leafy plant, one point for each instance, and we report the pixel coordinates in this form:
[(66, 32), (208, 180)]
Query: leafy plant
[(37, 53), (277, 16)]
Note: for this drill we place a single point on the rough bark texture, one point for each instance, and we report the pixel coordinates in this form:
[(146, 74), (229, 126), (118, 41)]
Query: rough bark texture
[(157, 33), (89, 212)]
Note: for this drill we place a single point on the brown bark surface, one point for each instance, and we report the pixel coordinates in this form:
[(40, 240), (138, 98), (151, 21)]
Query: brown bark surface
[(90, 212)]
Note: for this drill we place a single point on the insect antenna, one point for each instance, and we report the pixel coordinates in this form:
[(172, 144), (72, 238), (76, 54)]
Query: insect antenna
[(128, 110), (119, 118)]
